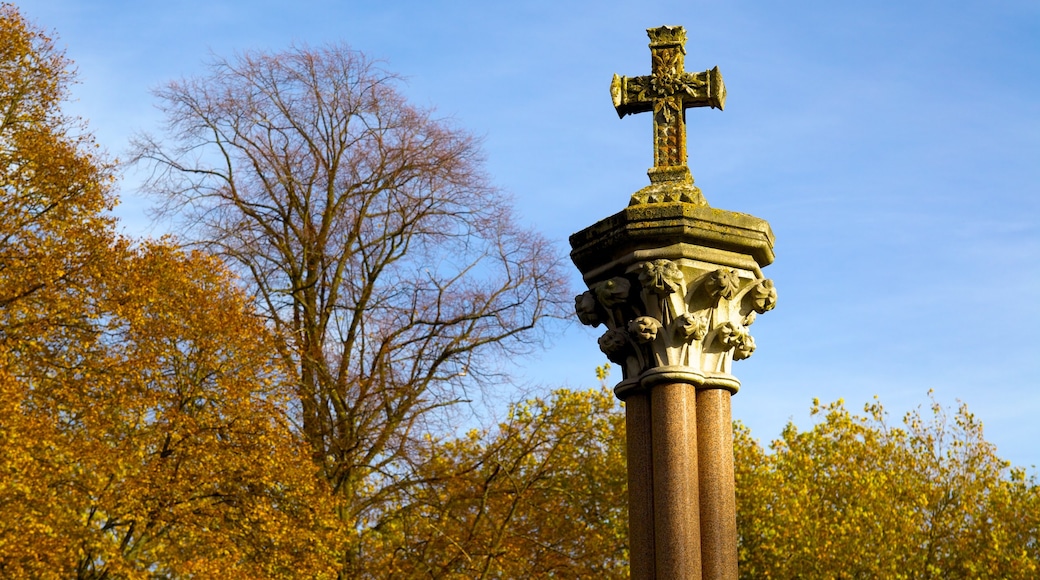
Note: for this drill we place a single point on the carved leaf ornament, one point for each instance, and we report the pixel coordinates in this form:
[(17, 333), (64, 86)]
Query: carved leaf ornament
[(737, 337), (666, 86), (587, 308), (763, 296), (614, 344), (644, 329), (691, 327), (613, 292), (723, 283), (660, 276)]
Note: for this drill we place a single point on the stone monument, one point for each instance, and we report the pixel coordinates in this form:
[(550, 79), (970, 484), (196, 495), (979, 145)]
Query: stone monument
[(677, 284)]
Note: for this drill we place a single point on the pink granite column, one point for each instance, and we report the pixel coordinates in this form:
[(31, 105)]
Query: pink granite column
[(676, 522), (640, 486), (718, 510)]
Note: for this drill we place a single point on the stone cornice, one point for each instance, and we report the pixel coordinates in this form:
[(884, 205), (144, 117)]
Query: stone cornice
[(658, 225)]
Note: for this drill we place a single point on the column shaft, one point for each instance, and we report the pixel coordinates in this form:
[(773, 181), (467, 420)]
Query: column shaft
[(676, 523), (640, 486), (718, 510)]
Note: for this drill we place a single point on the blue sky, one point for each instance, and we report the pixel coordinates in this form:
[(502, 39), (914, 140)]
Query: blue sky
[(894, 146)]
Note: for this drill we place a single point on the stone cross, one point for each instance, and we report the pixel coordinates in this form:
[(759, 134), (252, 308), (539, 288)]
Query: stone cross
[(677, 284), (668, 91)]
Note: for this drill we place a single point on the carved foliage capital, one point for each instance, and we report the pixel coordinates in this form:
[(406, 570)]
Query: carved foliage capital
[(676, 313)]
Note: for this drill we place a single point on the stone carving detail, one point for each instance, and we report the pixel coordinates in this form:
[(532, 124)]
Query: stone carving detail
[(644, 329), (587, 309), (691, 327), (723, 283), (614, 344), (665, 313), (668, 91), (667, 36), (668, 86), (613, 292), (749, 319), (763, 296), (736, 337), (660, 276)]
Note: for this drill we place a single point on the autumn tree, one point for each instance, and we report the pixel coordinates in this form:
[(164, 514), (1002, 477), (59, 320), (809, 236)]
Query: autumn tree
[(157, 442), (143, 412), (540, 496), (392, 271), (856, 497), (53, 183)]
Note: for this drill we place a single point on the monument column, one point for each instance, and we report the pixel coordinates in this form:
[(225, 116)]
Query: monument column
[(677, 284)]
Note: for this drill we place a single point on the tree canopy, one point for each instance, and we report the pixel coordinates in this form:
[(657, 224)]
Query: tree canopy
[(857, 497), (144, 428)]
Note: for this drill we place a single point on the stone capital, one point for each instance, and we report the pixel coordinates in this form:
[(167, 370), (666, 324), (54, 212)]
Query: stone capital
[(676, 287)]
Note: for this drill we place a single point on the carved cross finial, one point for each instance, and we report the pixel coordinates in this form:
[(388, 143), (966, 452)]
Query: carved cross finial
[(668, 91)]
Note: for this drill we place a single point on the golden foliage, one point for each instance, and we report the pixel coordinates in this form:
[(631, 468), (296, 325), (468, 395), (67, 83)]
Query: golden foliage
[(156, 441), (144, 425), (857, 498), (53, 186), (543, 495)]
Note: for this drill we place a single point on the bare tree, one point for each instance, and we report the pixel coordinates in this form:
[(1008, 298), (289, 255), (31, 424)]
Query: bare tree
[(373, 240)]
